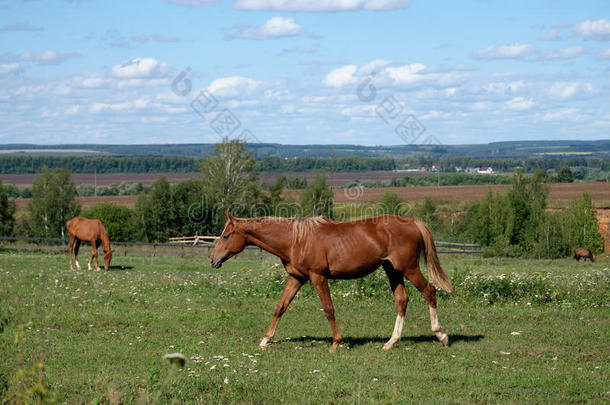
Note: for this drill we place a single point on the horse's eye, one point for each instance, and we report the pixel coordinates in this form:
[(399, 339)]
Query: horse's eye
[(225, 237)]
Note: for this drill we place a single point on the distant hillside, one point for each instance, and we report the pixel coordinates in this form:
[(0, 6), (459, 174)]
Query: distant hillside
[(514, 149)]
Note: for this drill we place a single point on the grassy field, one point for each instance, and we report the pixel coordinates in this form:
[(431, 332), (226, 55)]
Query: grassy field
[(521, 331)]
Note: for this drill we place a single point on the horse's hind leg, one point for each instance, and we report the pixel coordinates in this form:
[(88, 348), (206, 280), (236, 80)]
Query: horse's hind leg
[(401, 299), (76, 249), (290, 290), (429, 292)]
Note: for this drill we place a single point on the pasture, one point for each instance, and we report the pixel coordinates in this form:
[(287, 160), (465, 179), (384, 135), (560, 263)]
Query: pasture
[(521, 331)]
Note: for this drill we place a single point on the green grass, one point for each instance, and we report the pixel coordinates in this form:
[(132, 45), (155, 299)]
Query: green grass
[(104, 334)]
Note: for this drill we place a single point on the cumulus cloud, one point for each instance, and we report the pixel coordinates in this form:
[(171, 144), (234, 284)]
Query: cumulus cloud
[(341, 76), (569, 90), (520, 103), (599, 29), (275, 27), (320, 6), (234, 86), (515, 50), (139, 67)]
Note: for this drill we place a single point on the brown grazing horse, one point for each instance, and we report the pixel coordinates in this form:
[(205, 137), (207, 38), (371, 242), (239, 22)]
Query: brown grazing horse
[(91, 230), (319, 249), (584, 253)]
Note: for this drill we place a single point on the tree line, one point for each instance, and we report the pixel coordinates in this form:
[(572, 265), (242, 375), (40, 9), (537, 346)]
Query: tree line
[(514, 223)]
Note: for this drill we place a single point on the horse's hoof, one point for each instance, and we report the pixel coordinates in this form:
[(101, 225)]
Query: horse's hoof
[(333, 347), (443, 338), (263, 347), (387, 346)]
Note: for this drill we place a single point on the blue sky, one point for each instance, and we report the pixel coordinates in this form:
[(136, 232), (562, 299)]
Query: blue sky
[(301, 72)]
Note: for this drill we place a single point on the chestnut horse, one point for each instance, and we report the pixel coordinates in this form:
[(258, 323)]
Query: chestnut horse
[(319, 249), (91, 230), (583, 253)]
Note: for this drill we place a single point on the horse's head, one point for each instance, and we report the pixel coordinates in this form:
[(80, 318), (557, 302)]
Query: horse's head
[(231, 242), (107, 259)]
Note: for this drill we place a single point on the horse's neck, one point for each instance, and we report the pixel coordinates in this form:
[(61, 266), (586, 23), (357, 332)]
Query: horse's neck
[(273, 237), (105, 241)]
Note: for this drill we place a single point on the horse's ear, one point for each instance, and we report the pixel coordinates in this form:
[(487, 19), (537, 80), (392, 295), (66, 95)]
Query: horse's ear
[(229, 216)]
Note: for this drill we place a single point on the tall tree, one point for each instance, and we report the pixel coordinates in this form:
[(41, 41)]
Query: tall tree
[(53, 203), (154, 214), (230, 180), (7, 213), (317, 199)]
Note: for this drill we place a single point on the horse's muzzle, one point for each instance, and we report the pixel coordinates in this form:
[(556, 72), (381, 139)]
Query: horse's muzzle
[(216, 263)]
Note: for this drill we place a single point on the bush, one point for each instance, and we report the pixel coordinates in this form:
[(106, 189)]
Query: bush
[(117, 220)]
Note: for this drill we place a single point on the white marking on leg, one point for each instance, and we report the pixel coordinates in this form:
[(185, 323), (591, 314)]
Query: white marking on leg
[(436, 327), (89, 265), (264, 343), (77, 265), (400, 320)]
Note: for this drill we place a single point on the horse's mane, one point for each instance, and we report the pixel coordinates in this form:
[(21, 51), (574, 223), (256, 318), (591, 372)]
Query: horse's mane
[(304, 227), (301, 227)]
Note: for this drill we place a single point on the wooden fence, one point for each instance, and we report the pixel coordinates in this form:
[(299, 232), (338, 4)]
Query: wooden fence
[(179, 246)]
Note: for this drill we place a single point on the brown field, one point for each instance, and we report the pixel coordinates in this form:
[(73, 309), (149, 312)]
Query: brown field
[(105, 179), (600, 193)]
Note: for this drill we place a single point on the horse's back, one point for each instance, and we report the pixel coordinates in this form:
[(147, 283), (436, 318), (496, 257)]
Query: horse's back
[(85, 228)]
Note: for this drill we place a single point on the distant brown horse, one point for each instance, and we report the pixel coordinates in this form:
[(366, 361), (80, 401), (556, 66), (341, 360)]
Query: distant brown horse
[(90, 230), (319, 249), (584, 253)]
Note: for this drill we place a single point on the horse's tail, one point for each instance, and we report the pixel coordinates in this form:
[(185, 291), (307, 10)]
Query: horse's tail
[(435, 271)]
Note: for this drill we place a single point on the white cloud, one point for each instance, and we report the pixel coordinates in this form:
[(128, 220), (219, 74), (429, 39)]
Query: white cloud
[(568, 90), (320, 6), (138, 104), (570, 113), (341, 76), (406, 74), (139, 67), (234, 86), (275, 27), (373, 66), (8, 67), (599, 29), (48, 57), (562, 53), (515, 50), (520, 103)]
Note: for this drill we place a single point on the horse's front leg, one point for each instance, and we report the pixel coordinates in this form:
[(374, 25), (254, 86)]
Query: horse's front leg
[(320, 283), (93, 255), (290, 290), (70, 245)]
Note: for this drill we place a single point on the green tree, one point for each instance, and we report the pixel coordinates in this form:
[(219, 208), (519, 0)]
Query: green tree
[(230, 180), (53, 203), (154, 214), (583, 225), (391, 203), (565, 175), (317, 199), (117, 219), (7, 213)]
